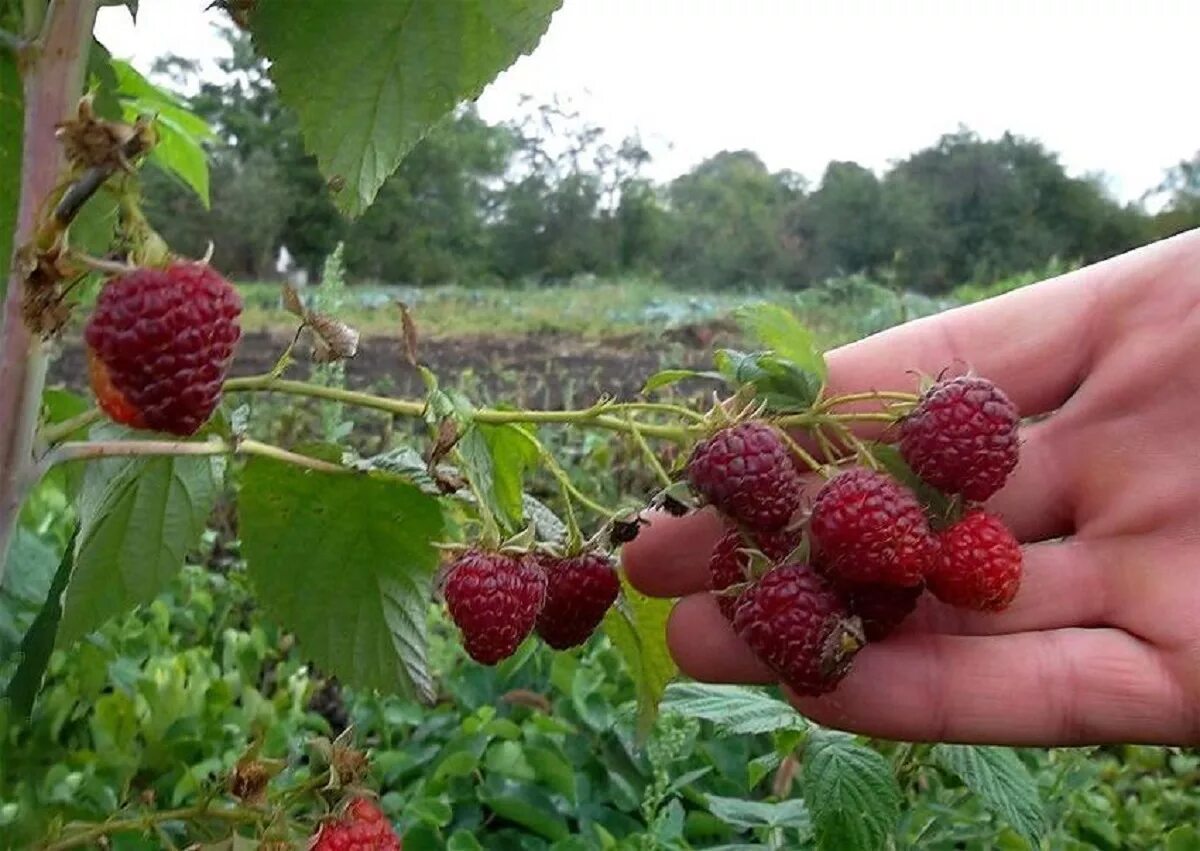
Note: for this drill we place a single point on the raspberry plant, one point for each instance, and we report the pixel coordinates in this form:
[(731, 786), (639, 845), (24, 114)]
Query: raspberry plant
[(350, 552)]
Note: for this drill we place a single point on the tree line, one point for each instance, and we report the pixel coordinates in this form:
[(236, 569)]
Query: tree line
[(551, 196)]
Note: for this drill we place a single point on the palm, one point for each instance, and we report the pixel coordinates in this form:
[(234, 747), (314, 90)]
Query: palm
[(1103, 640)]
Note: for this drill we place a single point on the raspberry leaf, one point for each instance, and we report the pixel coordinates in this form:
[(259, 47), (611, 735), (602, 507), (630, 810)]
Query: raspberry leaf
[(139, 517), (749, 815), (1001, 781), (496, 458), (783, 384), (388, 72), (347, 563), (735, 710), (637, 627), (851, 791), (778, 329)]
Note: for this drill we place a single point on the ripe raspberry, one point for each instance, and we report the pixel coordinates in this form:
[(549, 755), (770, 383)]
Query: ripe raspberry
[(747, 472), (979, 566), (494, 599), (362, 827), (730, 561), (870, 528), (962, 437), (796, 622), (882, 608), (579, 591), (159, 345)]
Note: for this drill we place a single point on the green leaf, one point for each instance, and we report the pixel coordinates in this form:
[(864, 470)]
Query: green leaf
[(734, 709), (139, 517), (667, 377), (103, 82), (524, 804), (887, 454), (778, 329), (346, 562), (496, 459), (38, 642), (387, 73), (12, 120), (851, 792), (1001, 781), (637, 627), (752, 814), (1183, 838), (179, 150), (779, 382)]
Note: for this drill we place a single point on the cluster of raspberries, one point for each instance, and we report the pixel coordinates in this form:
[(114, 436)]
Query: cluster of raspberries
[(498, 598), (855, 570)]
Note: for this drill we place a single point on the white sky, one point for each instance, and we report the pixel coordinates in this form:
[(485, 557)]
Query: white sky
[(1108, 84)]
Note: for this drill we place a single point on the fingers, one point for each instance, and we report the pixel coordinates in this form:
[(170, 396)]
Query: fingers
[(1060, 687), (706, 648), (1038, 500), (670, 557)]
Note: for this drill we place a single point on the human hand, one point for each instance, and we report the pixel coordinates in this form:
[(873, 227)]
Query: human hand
[(1102, 643)]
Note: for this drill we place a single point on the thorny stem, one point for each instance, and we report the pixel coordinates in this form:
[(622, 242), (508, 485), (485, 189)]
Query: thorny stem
[(655, 464), (128, 448), (236, 815), (803, 454), (564, 481), (869, 396)]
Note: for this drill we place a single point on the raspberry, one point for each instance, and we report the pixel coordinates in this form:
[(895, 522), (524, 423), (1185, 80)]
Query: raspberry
[(796, 622), (747, 472), (962, 437), (579, 591), (730, 561), (881, 608), (979, 566), (494, 599), (159, 345), (870, 528), (362, 827)]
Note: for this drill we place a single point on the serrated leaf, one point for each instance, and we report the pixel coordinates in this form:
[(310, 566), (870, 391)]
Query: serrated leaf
[(346, 562), (1001, 781), (851, 792), (779, 382), (667, 377), (740, 813), (736, 710), (38, 643), (139, 517), (546, 524), (781, 331), (495, 460), (12, 120), (524, 804), (179, 150), (637, 627), (388, 73)]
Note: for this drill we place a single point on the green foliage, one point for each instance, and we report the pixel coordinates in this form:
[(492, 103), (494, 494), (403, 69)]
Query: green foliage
[(637, 627), (363, 112), (1001, 780), (851, 791), (347, 562)]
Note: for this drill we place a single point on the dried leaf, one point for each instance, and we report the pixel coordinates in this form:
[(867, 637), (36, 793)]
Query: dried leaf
[(335, 339), (292, 303), (447, 435), (410, 334)]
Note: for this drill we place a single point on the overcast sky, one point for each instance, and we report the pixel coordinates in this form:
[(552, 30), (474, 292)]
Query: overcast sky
[(1111, 85)]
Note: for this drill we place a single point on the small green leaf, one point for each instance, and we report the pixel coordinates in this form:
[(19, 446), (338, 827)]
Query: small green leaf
[(12, 119), (938, 503), (1183, 838), (388, 73), (779, 382), (637, 627), (752, 814), (139, 517), (851, 792), (1001, 781), (778, 329), (667, 377), (496, 458), (524, 804), (734, 709), (346, 562), (38, 642)]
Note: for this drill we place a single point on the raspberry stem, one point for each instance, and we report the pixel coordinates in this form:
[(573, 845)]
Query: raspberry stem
[(92, 450), (90, 835)]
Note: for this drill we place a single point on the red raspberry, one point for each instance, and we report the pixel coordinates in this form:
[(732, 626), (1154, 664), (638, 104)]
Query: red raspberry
[(962, 437), (159, 345), (796, 622), (882, 608), (748, 473), (979, 566), (362, 827), (730, 561), (870, 528), (494, 599), (579, 591)]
